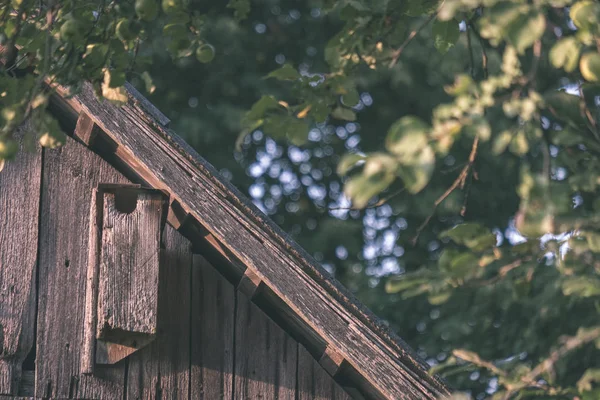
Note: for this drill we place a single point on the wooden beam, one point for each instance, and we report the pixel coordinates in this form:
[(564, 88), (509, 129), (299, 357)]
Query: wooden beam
[(250, 283), (331, 361), (389, 367), (86, 130)]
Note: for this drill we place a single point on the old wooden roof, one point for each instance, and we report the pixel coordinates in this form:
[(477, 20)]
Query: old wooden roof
[(249, 249)]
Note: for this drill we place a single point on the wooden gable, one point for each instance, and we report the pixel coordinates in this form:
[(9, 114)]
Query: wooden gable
[(315, 340)]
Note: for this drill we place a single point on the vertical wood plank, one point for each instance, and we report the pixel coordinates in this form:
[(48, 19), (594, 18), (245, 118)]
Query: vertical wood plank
[(19, 206), (212, 325), (70, 175), (161, 370), (314, 383), (265, 356)]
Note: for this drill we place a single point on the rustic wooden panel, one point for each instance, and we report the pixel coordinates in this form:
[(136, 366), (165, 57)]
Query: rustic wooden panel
[(19, 206), (313, 382), (70, 175), (265, 356), (129, 266), (390, 368), (212, 325), (161, 370)]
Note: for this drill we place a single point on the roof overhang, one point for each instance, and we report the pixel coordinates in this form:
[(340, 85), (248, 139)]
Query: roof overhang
[(251, 250)]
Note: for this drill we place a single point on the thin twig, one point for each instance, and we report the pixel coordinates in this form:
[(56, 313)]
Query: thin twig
[(587, 115), (484, 56), (458, 182), (537, 54), (470, 47), (411, 36), (547, 365)]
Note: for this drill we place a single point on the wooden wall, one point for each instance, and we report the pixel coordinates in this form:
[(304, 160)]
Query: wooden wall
[(213, 343)]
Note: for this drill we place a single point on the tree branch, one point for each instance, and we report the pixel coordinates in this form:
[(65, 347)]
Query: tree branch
[(396, 54), (458, 182)]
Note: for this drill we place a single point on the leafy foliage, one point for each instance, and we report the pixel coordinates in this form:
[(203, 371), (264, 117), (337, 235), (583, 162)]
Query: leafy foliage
[(464, 134)]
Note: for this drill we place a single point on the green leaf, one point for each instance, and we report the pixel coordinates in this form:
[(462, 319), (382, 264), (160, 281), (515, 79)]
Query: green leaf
[(479, 127), (565, 53), (593, 241), (401, 283), (297, 131), (463, 84), (347, 162), (526, 30), (114, 78), (260, 108), (584, 384), (566, 107), (458, 264), (472, 235), (501, 142), (445, 35), (241, 8), (285, 73), (51, 135), (581, 286), (361, 188), (344, 114), (116, 95), (439, 298), (407, 137), (416, 172), (150, 86), (589, 65), (586, 15), (351, 97)]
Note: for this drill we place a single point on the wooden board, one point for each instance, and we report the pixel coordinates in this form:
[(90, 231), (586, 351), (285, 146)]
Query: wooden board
[(265, 356), (390, 368), (161, 370), (313, 382), (129, 266), (70, 174), (212, 333), (19, 205)]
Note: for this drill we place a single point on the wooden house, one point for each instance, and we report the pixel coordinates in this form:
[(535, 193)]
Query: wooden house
[(130, 269)]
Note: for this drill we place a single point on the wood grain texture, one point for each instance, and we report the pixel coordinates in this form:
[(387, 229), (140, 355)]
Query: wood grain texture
[(129, 266), (313, 382), (391, 369), (212, 333), (265, 356), (70, 175), (161, 370), (19, 207)]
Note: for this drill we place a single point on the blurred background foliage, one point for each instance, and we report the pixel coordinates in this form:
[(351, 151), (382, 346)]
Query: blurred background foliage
[(439, 158)]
